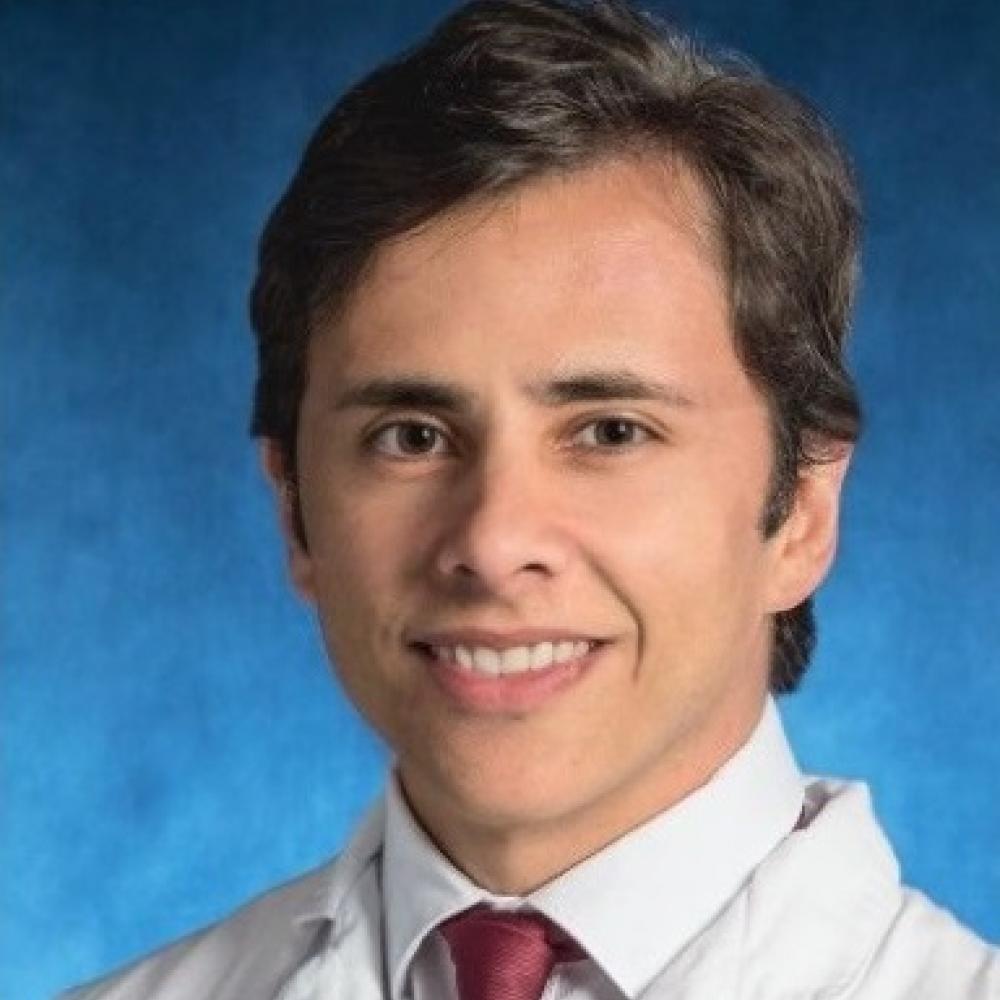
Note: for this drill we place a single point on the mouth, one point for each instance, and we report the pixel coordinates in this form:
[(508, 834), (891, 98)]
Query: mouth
[(490, 661), (512, 675)]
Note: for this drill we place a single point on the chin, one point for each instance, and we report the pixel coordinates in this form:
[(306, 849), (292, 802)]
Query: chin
[(539, 802), (504, 798)]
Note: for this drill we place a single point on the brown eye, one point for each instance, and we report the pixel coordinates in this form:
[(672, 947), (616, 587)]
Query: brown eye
[(613, 433), (409, 439)]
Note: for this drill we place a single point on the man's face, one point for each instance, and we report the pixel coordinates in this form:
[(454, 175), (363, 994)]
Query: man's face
[(529, 443)]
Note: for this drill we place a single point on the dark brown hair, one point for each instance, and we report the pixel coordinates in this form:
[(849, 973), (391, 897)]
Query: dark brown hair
[(504, 91)]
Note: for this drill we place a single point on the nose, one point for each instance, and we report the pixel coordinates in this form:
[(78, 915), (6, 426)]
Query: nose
[(501, 532)]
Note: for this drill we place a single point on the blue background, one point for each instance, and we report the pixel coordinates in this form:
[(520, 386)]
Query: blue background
[(171, 740)]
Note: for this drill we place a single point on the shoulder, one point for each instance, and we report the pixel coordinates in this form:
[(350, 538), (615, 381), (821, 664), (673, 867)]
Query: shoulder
[(246, 954), (926, 952), (828, 916)]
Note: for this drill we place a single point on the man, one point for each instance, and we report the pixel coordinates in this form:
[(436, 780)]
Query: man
[(552, 395)]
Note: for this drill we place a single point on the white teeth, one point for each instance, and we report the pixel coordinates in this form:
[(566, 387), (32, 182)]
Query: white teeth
[(485, 659), (563, 652), (541, 655), (515, 660)]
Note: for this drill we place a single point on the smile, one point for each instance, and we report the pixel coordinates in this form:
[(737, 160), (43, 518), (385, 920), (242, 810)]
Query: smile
[(491, 662), (485, 672)]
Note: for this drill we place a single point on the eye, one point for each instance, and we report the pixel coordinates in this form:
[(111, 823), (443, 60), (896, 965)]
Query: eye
[(409, 439), (611, 433)]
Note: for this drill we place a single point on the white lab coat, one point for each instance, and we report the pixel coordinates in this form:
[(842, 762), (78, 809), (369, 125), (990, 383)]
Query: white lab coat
[(824, 917)]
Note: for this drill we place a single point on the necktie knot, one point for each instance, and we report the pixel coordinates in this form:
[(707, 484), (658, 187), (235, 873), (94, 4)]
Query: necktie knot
[(505, 956)]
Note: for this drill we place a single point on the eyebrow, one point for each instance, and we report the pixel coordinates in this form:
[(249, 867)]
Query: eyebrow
[(606, 385), (417, 392), (408, 391)]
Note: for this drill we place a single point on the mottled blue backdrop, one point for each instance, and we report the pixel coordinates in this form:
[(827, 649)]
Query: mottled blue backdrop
[(171, 741)]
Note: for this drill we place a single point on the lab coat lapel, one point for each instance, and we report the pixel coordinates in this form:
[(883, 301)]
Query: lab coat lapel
[(808, 919), (349, 962)]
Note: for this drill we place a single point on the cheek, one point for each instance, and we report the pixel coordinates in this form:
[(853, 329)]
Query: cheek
[(685, 551), (367, 547), (673, 520), (357, 533), (348, 545)]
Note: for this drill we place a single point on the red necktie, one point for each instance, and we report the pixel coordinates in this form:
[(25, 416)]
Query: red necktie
[(505, 956)]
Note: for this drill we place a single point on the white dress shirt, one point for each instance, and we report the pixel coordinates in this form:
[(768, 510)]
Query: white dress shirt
[(615, 904), (724, 895)]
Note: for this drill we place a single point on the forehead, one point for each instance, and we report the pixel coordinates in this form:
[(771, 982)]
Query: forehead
[(628, 204), (661, 188), (598, 262)]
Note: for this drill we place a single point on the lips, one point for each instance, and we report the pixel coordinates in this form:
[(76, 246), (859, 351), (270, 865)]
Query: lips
[(488, 671)]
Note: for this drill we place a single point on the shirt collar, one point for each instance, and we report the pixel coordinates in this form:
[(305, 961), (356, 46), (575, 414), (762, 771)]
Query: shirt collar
[(420, 887), (671, 875)]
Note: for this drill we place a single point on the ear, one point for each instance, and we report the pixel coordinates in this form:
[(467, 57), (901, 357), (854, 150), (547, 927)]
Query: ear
[(805, 544), (300, 564)]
